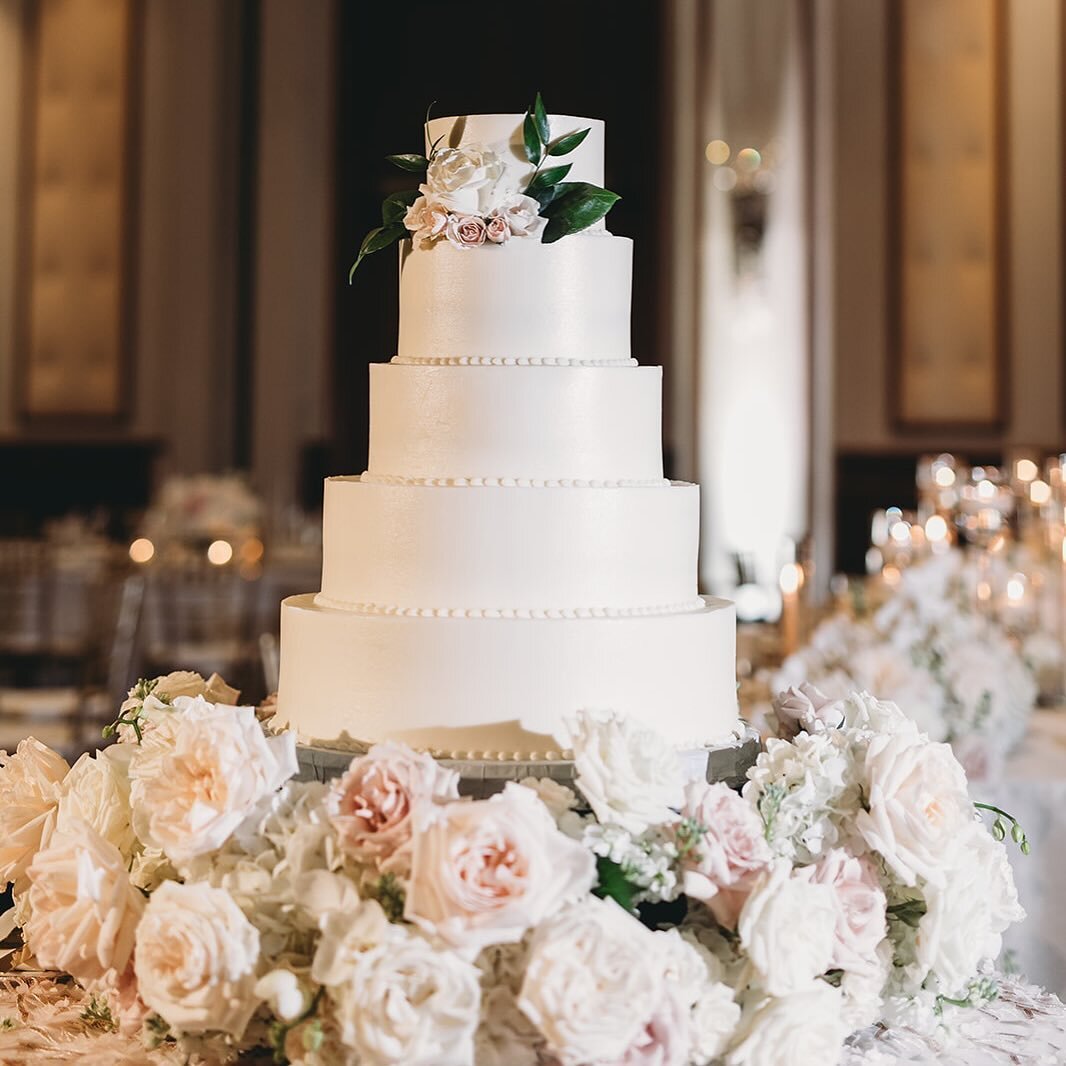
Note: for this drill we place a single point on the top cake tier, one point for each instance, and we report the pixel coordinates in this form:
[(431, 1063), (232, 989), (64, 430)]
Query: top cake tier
[(503, 134)]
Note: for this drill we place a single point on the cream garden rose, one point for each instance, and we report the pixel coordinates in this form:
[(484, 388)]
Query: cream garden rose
[(801, 1029), (371, 805), (406, 1004), (594, 983), (97, 792), (196, 959), (787, 927), (521, 213), (918, 805), (189, 795), (464, 180), (30, 789), (427, 220), (83, 909), (629, 774), (725, 850), (485, 872)]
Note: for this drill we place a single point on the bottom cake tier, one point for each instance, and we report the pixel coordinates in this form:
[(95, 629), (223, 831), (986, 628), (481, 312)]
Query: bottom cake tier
[(502, 687)]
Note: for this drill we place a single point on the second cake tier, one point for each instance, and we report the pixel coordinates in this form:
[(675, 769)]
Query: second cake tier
[(509, 550)]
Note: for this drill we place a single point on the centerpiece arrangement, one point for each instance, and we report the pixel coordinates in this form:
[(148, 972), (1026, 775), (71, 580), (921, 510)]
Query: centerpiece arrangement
[(211, 904)]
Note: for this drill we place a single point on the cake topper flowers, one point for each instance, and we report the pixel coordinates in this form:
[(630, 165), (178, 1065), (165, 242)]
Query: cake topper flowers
[(465, 196)]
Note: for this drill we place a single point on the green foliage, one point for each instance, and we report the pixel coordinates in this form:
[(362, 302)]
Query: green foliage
[(545, 179), (377, 239), (565, 145), (412, 162), (97, 1015), (575, 206), (389, 892), (613, 884), (909, 912), (770, 805), (999, 827), (540, 117), (531, 139)]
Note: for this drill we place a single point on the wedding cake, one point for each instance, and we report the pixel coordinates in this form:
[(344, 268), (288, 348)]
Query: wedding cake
[(513, 553)]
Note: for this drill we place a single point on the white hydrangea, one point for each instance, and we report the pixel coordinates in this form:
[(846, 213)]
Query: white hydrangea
[(648, 860)]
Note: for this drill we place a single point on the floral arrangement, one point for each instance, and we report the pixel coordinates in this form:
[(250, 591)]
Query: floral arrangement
[(204, 507), (957, 672), (467, 198), (213, 905)]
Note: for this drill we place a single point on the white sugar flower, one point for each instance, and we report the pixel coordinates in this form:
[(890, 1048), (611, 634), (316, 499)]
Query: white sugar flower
[(199, 776), (426, 219), (465, 180), (521, 213), (787, 928), (196, 959), (628, 773)]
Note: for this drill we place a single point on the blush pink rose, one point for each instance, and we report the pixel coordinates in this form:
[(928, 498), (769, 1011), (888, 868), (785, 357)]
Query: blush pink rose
[(370, 806), (484, 872), (723, 848), (860, 903), (665, 1039), (466, 231), (497, 230), (805, 709)]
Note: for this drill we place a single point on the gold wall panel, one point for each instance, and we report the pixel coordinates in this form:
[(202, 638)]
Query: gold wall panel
[(77, 211), (946, 158)]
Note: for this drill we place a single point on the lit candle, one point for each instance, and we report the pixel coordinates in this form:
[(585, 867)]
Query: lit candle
[(790, 582)]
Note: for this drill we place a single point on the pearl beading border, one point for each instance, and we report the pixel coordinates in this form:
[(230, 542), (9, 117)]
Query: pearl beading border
[(525, 613), (513, 482), (477, 360)]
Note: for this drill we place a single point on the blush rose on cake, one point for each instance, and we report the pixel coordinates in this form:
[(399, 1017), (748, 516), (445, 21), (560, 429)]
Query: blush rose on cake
[(210, 902)]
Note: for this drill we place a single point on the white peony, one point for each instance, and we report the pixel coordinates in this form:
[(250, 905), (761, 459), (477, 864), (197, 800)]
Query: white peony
[(521, 213), (787, 927), (485, 872), (595, 979), (464, 180), (197, 779), (97, 792), (30, 788), (969, 911), (917, 805), (628, 773), (406, 1003), (196, 959), (84, 911), (801, 1029)]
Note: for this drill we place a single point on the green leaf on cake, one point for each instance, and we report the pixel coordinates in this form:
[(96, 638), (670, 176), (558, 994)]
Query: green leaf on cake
[(409, 161), (575, 206), (375, 240), (545, 179), (565, 145), (540, 116), (532, 141), (395, 206)]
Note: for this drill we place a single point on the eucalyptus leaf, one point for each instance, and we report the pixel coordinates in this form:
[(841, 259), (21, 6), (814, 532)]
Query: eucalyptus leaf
[(409, 161), (534, 152), (548, 177), (565, 145), (374, 241), (576, 206), (540, 116), (394, 207)]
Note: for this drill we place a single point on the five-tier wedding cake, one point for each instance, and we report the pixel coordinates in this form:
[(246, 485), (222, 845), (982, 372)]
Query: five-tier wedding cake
[(513, 553)]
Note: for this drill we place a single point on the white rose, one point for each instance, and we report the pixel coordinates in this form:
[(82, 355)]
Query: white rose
[(347, 933), (84, 911), (594, 980), (154, 699), (30, 787), (97, 791), (406, 1003), (426, 219), (801, 1029), (916, 794), (521, 213), (188, 797), (485, 872), (196, 959), (804, 707), (464, 180), (714, 1019), (969, 911), (787, 927), (863, 711), (629, 774)]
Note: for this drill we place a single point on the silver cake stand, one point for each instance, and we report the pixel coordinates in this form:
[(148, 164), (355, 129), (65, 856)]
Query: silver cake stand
[(478, 778)]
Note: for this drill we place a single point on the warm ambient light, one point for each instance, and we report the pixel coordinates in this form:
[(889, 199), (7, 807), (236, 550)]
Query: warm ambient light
[(944, 477), (717, 152), (251, 551), (1016, 588), (936, 528), (749, 159), (219, 552), (1026, 470), (142, 550), (986, 490), (890, 575), (791, 578), (1039, 492)]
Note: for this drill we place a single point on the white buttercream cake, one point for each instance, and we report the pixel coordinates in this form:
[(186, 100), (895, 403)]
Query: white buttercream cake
[(512, 553)]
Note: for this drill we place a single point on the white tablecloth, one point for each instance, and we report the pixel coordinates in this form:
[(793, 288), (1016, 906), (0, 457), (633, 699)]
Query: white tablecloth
[(1033, 789)]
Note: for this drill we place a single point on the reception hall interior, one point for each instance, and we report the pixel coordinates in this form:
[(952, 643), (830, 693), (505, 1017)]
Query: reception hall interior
[(849, 258)]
